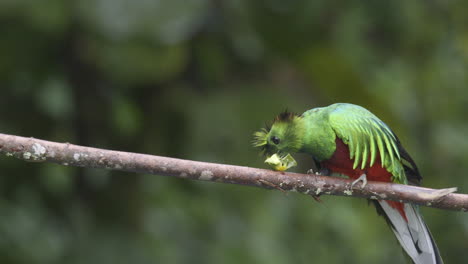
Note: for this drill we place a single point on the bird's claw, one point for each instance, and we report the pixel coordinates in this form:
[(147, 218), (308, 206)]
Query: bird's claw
[(362, 178)]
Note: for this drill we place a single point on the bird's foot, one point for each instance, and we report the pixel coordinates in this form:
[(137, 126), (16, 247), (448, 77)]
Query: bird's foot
[(362, 178)]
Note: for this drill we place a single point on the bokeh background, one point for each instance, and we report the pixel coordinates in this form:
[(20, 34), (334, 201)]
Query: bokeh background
[(194, 79)]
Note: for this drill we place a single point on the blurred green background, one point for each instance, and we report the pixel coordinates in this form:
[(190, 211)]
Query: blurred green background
[(194, 79)]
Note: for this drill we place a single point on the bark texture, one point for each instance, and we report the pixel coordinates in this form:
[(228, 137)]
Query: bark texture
[(35, 150)]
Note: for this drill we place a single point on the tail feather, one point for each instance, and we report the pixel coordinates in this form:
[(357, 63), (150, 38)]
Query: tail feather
[(412, 233)]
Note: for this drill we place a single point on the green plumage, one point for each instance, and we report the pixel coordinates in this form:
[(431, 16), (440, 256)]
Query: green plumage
[(366, 136), (314, 132), (348, 139)]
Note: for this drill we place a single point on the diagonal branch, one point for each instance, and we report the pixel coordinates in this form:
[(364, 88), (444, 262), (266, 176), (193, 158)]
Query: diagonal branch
[(31, 149)]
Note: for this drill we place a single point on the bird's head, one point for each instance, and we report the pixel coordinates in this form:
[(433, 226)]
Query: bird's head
[(282, 137)]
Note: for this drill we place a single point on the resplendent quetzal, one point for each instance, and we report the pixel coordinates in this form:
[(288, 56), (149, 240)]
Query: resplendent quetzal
[(350, 140)]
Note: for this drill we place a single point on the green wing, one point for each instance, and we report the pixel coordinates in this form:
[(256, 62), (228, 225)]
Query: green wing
[(366, 136)]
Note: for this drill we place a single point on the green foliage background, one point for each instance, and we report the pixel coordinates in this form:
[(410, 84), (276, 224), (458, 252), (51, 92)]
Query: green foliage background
[(193, 79)]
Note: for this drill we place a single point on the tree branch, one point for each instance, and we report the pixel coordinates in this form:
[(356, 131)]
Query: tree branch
[(35, 150)]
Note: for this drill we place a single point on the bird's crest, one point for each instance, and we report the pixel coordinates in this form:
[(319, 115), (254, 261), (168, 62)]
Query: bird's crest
[(261, 137), (285, 116)]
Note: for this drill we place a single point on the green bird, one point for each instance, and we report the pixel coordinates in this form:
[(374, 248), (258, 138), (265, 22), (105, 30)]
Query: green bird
[(350, 140)]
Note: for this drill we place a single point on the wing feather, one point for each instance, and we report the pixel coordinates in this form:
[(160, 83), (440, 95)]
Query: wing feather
[(357, 146), (365, 151), (373, 150), (368, 137), (391, 135), (388, 146)]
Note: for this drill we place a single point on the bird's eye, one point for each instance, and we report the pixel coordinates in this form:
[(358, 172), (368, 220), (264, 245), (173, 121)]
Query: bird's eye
[(275, 140)]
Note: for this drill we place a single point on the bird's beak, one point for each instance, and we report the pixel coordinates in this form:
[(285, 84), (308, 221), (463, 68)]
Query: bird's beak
[(281, 163)]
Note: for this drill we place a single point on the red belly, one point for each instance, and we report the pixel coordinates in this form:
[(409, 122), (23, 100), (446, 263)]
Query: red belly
[(341, 163)]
